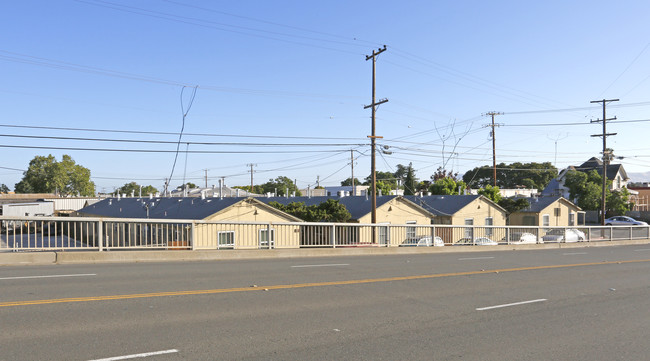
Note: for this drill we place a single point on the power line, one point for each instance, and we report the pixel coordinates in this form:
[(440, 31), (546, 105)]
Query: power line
[(185, 142), (172, 133), (169, 151)]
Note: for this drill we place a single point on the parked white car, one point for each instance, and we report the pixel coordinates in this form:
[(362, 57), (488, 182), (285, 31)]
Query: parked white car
[(478, 241), (524, 238), (564, 235), (623, 221), (423, 242)]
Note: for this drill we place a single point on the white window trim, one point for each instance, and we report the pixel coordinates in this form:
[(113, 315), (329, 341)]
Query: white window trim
[(489, 230), (272, 237), (411, 232), (219, 245)]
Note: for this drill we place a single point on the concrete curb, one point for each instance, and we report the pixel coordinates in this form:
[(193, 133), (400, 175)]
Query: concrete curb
[(27, 258), (92, 257)]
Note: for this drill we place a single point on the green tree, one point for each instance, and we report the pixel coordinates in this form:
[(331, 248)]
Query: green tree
[(586, 190), (530, 175), (410, 182), (491, 192), (443, 173), (385, 187), (447, 186), (513, 205), (46, 175), (328, 211), (618, 202), (189, 185), (348, 182), (4, 188), (386, 178), (134, 188), (280, 185)]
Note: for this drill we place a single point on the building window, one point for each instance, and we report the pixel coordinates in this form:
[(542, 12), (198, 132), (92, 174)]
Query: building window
[(489, 221), (546, 220), (410, 231), (529, 221), (383, 235), (264, 238), (572, 219), (469, 231), (226, 239)]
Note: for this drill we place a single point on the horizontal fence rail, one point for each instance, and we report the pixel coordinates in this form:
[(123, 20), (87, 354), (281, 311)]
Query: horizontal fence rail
[(103, 234)]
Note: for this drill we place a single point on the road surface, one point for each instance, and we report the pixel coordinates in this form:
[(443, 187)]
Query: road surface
[(561, 304)]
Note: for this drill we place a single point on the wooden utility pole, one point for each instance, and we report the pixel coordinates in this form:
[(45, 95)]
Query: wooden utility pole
[(354, 193), (373, 106), (252, 171), (494, 145), (606, 152)]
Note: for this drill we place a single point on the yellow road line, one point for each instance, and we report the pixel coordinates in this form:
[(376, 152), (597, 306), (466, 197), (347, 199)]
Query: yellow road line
[(301, 285)]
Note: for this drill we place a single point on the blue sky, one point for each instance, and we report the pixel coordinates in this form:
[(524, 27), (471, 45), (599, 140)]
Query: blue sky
[(288, 81)]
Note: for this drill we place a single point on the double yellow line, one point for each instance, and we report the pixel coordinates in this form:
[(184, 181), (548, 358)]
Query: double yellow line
[(301, 285)]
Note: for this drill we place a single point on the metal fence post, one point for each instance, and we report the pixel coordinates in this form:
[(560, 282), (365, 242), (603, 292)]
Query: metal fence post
[(333, 236), (193, 235), (100, 234)]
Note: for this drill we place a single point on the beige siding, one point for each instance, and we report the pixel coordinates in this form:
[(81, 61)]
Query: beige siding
[(248, 212), (479, 210), (246, 236), (557, 211), (397, 211)]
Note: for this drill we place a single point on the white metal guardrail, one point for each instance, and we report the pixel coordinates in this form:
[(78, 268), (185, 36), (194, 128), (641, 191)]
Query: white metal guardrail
[(100, 234)]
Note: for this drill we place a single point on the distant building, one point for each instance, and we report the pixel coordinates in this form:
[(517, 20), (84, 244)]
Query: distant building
[(615, 173), (548, 212)]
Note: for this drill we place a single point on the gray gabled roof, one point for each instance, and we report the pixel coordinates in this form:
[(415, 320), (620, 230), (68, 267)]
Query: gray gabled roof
[(446, 205), (538, 204), (357, 206), (165, 208), (596, 164)]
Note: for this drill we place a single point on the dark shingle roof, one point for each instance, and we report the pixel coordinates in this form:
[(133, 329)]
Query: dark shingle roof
[(443, 205), (597, 165), (538, 204), (170, 208), (357, 206)]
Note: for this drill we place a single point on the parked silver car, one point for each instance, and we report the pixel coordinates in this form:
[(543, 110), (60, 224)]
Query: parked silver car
[(564, 235), (623, 221), (524, 238), (424, 241), (478, 241)]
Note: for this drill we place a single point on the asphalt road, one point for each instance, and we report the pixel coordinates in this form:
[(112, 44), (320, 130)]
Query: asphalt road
[(560, 304)]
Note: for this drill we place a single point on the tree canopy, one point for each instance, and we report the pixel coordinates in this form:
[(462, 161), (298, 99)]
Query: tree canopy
[(410, 182), (348, 182), (279, 185), (447, 186), (586, 190), (328, 211), (46, 175), (491, 193), (529, 175), (134, 188), (512, 205)]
